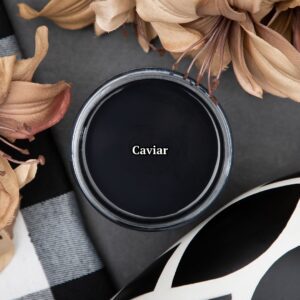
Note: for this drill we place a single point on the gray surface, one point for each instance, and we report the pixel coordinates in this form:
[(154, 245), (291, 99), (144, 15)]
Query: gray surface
[(265, 132)]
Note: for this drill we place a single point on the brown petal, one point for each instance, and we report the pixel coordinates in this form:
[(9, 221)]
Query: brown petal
[(296, 29), (219, 8), (69, 14), (111, 14), (174, 37), (242, 73), (168, 11), (25, 68), (273, 62), (9, 193), (251, 6), (6, 214), (6, 72), (26, 172), (7, 249), (145, 33), (266, 7), (276, 40), (39, 106), (284, 5), (282, 23)]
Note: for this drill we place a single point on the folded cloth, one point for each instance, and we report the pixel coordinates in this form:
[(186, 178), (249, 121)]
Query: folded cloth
[(54, 257), (249, 250)]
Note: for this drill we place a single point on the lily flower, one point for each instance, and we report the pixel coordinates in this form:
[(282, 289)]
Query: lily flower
[(11, 181), (167, 17), (229, 30), (112, 14), (27, 108), (286, 21), (69, 14)]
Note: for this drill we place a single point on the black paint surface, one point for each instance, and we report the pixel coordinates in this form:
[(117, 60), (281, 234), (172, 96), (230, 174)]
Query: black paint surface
[(146, 113)]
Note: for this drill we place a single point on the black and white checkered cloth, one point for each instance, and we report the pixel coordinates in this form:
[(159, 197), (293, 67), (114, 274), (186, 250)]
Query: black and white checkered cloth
[(54, 257)]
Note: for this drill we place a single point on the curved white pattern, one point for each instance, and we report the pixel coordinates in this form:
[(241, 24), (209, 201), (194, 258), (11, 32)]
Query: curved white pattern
[(242, 283)]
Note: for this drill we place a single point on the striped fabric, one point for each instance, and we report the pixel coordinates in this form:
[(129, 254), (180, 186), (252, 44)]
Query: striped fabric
[(54, 258), (247, 250)]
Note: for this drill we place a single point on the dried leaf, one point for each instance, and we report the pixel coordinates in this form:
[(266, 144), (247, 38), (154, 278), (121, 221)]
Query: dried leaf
[(69, 14), (6, 249)]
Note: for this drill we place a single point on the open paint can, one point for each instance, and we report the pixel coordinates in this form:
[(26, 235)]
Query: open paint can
[(151, 150)]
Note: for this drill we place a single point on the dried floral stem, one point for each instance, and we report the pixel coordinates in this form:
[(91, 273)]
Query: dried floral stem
[(40, 160), (21, 150), (213, 42), (199, 43)]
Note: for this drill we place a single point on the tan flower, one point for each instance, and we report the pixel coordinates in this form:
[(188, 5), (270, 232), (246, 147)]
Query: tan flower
[(286, 21), (10, 183), (166, 17), (27, 108), (229, 30), (69, 14), (7, 249), (112, 14)]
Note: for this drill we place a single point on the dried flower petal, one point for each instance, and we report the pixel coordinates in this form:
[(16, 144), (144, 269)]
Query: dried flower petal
[(167, 11), (26, 172), (69, 14), (241, 70), (9, 193), (296, 28), (219, 8), (25, 68), (145, 34), (286, 21), (174, 37), (111, 14), (6, 72), (283, 5), (10, 183), (39, 106), (6, 249), (27, 108), (266, 7), (272, 61)]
